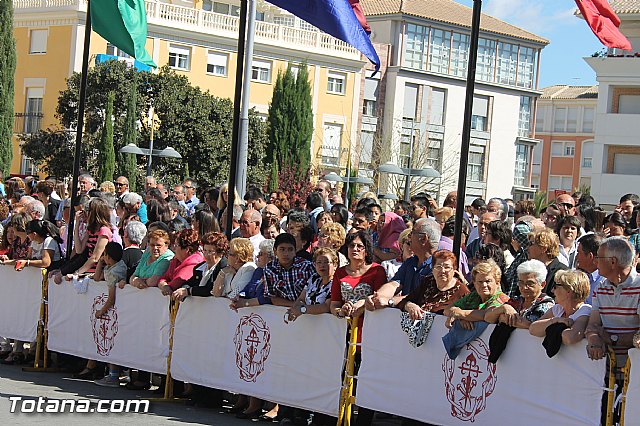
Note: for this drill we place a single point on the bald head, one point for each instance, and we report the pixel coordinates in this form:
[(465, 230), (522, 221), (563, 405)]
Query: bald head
[(250, 222)]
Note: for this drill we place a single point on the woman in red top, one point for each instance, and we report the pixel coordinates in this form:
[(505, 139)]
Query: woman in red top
[(187, 256)]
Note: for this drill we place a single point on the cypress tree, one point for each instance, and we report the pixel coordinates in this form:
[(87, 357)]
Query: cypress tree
[(303, 121), (7, 70), (106, 152), (128, 161)]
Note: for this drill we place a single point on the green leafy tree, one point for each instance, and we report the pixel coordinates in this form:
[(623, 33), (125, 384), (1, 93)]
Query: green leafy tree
[(7, 71), (129, 162), (194, 122), (50, 150), (290, 123), (106, 153)]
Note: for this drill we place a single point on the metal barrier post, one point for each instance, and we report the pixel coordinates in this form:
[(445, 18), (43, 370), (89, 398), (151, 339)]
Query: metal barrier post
[(346, 393), (627, 373), (611, 387), (168, 385)]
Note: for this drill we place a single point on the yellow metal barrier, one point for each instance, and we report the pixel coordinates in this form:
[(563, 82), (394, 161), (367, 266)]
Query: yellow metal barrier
[(346, 393), (611, 395), (168, 385), (627, 372)]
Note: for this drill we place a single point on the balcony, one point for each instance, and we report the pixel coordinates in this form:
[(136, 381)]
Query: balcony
[(207, 23), (27, 122)]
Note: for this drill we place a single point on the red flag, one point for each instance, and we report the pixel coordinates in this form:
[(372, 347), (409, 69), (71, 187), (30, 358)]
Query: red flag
[(604, 23), (357, 9)]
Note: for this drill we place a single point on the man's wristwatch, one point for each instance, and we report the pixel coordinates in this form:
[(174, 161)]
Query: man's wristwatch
[(614, 338), (303, 309), (391, 303)]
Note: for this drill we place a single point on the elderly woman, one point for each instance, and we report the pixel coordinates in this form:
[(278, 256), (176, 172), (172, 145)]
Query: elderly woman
[(390, 226), (316, 295), (214, 247), (132, 238), (186, 257), (333, 235), (487, 294), (436, 292), (404, 243), (545, 247), (239, 270), (530, 305), (572, 288), (253, 294), (154, 261), (568, 231)]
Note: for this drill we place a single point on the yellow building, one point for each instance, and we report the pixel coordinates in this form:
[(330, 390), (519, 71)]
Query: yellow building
[(197, 39)]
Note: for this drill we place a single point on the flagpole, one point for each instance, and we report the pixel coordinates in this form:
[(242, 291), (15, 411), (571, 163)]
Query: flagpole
[(235, 134), (80, 126), (466, 127)]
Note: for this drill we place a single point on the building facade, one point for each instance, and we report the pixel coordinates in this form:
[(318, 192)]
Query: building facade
[(565, 123), (197, 38), (424, 94), (616, 149)]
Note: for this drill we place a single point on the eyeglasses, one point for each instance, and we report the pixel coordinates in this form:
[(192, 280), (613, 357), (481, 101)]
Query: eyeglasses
[(322, 263), (120, 184), (245, 222), (209, 252), (356, 246), (567, 205), (444, 268), (603, 257), (527, 284), (419, 234), (187, 187)]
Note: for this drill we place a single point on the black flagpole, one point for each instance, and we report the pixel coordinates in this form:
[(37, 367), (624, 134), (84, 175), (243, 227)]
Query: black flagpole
[(80, 126), (466, 128), (235, 134)]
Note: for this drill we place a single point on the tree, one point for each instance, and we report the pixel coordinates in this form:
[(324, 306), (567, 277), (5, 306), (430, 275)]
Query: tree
[(50, 150), (195, 123), (129, 162), (106, 153), (7, 71), (291, 123)]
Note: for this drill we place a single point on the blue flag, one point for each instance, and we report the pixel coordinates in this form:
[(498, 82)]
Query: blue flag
[(335, 17)]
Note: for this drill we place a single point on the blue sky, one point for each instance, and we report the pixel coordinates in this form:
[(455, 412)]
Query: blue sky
[(570, 37)]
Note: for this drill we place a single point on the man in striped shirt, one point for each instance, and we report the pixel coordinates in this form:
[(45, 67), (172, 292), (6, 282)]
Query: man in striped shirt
[(616, 304)]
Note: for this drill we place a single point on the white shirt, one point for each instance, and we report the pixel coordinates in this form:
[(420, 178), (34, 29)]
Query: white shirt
[(256, 240)]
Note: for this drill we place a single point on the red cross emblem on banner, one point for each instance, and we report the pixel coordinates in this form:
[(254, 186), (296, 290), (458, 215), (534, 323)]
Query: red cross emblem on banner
[(252, 342), (104, 328)]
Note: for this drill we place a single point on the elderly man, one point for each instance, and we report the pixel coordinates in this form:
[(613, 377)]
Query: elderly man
[(567, 204), (425, 237), (191, 201), (615, 315), (122, 186), (250, 228), (133, 202), (149, 182), (271, 211), (323, 187), (586, 261), (296, 220), (499, 207), (35, 210), (474, 246)]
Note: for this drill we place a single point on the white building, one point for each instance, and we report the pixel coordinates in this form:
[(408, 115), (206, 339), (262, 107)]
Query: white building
[(424, 93), (616, 151)]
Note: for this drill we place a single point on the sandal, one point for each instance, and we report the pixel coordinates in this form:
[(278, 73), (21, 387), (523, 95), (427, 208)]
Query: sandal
[(86, 374)]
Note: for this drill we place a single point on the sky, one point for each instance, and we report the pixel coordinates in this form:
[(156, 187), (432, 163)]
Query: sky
[(570, 37)]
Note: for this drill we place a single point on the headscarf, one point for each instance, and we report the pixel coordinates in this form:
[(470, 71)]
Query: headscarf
[(391, 230)]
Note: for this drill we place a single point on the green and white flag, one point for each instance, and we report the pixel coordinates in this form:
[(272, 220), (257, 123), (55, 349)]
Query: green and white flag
[(123, 23)]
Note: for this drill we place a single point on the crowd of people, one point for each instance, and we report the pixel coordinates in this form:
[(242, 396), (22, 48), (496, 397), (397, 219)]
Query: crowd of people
[(567, 274)]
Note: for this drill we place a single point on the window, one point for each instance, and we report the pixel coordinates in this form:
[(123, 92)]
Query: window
[(287, 21), (114, 51), (439, 51), (486, 59), (304, 25), (459, 54), (179, 57), (27, 167), (563, 149), (559, 119), (207, 5), (587, 155), (587, 120), (366, 148), (336, 83), (415, 46), (540, 118), (369, 108), (524, 119), (572, 120), (629, 104), (331, 144), (261, 71), (33, 110), (560, 182), (526, 64), (480, 113), (410, 101), (437, 100), (38, 41), (521, 173), (475, 169), (226, 9), (507, 61), (217, 63), (434, 154)]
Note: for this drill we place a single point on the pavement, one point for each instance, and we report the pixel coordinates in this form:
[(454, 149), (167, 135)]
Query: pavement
[(55, 386)]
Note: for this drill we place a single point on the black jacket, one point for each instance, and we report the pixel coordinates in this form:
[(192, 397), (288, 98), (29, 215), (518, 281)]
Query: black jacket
[(194, 281)]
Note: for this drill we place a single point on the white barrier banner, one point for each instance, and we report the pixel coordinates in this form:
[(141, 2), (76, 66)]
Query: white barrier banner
[(135, 333), (254, 352), (632, 405), (424, 384), (20, 303)]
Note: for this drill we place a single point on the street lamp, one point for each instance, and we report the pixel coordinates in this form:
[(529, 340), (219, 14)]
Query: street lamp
[(168, 152), (394, 169), (334, 177)]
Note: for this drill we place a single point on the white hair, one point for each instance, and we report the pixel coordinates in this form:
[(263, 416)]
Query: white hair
[(136, 231), (533, 267), (619, 248), (431, 228)]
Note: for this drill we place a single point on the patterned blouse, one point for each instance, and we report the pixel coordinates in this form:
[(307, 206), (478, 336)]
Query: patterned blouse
[(431, 299), (474, 301), (317, 293), (534, 312), (19, 249)]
